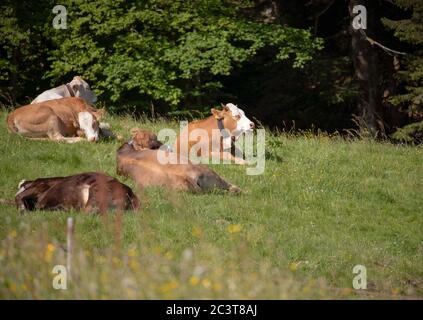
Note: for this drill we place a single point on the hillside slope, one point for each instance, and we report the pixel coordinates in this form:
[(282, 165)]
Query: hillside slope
[(323, 206)]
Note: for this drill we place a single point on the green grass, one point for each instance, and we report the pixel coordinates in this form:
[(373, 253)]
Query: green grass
[(322, 206)]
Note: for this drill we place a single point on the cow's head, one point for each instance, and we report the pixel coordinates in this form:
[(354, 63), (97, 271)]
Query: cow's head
[(243, 123), (83, 90), (227, 120), (22, 186), (89, 124), (144, 139)]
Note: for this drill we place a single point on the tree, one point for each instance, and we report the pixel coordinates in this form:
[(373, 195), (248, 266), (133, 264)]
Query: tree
[(172, 53), (410, 75), (23, 47), (367, 70)]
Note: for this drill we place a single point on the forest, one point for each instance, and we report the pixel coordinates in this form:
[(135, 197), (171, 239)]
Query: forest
[(291, 65)]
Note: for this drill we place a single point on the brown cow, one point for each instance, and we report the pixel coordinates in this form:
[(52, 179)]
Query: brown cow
[(86, 192), (66, 119), (215, 134), (138, 159)]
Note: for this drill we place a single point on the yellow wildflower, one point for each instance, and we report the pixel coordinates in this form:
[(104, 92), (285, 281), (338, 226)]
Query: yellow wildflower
[(293, 266), (194, 280), (234, 228), (132, 252), (116, 261), (134, 265), (217, 286), (395, 291), (206, 283), (49, 252), (169, 286), (197, 232)]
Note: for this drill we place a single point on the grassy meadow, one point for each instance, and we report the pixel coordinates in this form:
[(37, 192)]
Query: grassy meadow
[(323, 205)]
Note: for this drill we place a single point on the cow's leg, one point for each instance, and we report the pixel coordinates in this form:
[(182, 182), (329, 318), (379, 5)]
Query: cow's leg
[(61, 139), (26, 200), (57, 129), (183, 183), (209, 179), (71, 139)]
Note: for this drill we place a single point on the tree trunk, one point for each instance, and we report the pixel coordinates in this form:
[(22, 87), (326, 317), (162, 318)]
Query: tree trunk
[(366, 64)]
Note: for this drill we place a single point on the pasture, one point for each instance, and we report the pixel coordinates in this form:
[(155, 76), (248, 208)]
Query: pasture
[(322, 206)]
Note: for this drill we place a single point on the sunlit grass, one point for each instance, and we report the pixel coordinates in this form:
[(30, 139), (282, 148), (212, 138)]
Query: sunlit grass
[(322, 206)]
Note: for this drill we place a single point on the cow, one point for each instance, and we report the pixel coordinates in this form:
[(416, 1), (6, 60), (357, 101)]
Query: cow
[(138, 159), (87, 192), (243, 123), (76, 88), (66, 119), (215, 136)]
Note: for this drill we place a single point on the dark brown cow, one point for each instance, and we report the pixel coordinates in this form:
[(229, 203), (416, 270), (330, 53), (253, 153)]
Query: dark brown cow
[(87, 192)]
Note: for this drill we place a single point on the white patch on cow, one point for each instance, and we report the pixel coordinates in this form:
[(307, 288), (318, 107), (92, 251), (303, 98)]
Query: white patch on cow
[(243, 124), (80, 89), (85, 194), (86, 123), (227, 143), (83, 90), (21, 183), (21, 188), (47, 95)]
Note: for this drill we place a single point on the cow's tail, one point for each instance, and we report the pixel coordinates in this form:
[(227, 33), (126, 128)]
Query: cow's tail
[(11, 124)]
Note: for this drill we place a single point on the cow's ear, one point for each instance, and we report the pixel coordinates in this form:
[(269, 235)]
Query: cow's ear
[(134, 131), (217, 114), (99, 113)]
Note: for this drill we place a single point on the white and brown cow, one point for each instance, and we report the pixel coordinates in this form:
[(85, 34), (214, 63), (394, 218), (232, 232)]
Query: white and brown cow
[(87, 192), (66, 119), (214, 136), (76, 88)]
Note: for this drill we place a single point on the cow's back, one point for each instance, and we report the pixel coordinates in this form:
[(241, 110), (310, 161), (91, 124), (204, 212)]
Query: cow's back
[(21, 113), (205, 125), (65, 106)]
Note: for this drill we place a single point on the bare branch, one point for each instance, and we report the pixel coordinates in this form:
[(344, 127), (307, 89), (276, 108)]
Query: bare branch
[(374, 42)]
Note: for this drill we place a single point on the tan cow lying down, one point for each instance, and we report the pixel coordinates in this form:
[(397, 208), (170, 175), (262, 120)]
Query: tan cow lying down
[(214, 136), (87, 192), (138, 159), (66, 119)]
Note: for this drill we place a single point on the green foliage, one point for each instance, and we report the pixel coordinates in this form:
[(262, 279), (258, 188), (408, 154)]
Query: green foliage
[(412, 133), (155, 51), (410, 76), (22, 46)]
